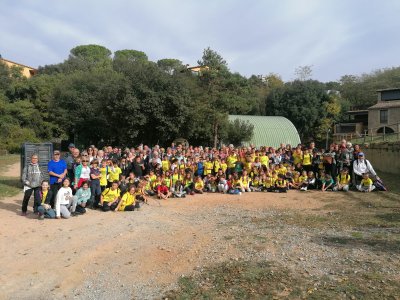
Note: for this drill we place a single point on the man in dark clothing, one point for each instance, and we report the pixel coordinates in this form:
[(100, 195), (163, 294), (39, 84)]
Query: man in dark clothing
[(138, 167)]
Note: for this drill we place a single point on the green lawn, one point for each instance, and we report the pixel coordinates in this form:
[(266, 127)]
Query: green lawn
[(9, 186)]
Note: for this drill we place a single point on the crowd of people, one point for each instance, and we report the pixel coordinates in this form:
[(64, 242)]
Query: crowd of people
[(115, 179)]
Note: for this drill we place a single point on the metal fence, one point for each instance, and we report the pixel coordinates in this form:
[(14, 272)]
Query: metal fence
[(370, 135)]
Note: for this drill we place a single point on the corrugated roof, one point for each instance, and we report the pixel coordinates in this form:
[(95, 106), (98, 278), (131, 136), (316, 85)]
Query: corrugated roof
[(270, 131), (386, 104)]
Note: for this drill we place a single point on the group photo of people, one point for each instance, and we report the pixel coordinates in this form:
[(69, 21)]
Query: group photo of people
[(116, 179)]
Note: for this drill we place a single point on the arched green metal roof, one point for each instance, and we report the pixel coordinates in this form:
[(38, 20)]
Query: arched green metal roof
[(270, 131)]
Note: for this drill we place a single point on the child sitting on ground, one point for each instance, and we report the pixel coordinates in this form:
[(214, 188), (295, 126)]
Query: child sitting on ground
[(178, 191), (327, 183), (199, 185), (366, 184), (343, 181)]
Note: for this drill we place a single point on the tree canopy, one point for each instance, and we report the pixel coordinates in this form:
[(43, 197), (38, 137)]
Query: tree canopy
[(124, 98)]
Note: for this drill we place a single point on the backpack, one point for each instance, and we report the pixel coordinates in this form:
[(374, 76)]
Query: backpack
[(378, 183)]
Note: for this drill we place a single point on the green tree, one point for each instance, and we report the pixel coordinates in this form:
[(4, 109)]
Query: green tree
[(170, 66), (130, 55), (301, 103), (238, 131)]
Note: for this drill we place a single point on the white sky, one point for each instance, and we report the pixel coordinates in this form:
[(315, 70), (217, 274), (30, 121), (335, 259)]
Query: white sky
[(336, 37)]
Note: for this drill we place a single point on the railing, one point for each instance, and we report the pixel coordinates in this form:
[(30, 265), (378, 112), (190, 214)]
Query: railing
[(370, 135)]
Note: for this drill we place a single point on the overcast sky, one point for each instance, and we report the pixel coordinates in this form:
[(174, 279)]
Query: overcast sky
[(336, 37)]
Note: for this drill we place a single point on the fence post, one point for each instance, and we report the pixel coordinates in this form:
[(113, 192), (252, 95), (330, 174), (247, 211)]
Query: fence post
[(384, 132), (398, 131)]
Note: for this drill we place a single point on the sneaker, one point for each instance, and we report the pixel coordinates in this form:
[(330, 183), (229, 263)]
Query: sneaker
[(240, 193), (41, 217), (74, 214)]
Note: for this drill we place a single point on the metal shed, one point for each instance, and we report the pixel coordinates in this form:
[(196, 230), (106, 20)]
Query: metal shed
[(270, 131)]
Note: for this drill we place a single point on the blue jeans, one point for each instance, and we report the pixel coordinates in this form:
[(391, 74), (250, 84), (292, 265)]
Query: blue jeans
[(48, 213)]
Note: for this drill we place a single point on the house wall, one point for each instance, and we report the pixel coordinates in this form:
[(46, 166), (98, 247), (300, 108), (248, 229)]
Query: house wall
[(384, 157), (374, 119), (24, 70)]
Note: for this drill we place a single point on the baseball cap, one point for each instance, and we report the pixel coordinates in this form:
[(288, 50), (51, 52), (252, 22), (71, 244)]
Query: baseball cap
[(56, 152), (361, 154), (71, 145)]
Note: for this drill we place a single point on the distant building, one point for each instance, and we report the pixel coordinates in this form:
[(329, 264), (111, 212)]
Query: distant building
[(385, 115), (26, 71), (197, 69)]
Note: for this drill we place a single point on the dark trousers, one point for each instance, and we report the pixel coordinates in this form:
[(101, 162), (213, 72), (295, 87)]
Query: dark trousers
[(54, 188), (129, 208), (27, 196), (105, 206)]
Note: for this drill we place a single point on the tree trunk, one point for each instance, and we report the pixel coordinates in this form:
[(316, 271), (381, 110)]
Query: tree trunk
[(215, 130)]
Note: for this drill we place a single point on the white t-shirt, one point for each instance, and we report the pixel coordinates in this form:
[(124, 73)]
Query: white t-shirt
[(85, 172)]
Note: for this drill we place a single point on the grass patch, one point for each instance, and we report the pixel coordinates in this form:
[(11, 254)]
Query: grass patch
[(9, 186), (266, 280), (8, 160)]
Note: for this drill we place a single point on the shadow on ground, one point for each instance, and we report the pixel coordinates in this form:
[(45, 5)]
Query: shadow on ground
[(366, 243)]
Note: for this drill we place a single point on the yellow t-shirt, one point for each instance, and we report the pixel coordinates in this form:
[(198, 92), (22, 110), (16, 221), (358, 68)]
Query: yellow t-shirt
[(168, 182), (44, 195), (109, 195), (114, 175), (224, 166), (199, 185), (264, 160), (303, 178), (237, 183), (248, 166), (165, 164), (208, 166), (175, 178), (307, 159), (231, 160), (343, 179), (127, 199), (297, 158), (281, 183), (268, 182), (217, 165), (282, 170), (245, 180), (366, 182), (103, 178)]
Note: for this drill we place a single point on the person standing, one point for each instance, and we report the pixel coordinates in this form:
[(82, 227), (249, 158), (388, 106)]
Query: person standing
[(32, 179), (57, 169)]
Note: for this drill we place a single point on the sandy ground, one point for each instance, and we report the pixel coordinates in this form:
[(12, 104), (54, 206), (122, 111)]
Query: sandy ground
[(125, 255)]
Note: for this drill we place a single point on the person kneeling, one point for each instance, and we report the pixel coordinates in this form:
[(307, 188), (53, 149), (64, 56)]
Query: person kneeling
[(281, 185), (163, 191), (83, 196), (110, 197), (65, 201), (128, 201), (42, 202)]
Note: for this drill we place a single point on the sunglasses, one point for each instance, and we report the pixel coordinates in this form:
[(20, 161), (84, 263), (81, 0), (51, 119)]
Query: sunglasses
[(56, 153), (85, 161)]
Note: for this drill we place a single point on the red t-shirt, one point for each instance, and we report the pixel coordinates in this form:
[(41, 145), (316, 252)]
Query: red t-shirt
[(162, 189)]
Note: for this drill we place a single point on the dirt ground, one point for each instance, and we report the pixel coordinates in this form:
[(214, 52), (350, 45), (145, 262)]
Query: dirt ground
[(140, 254)]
